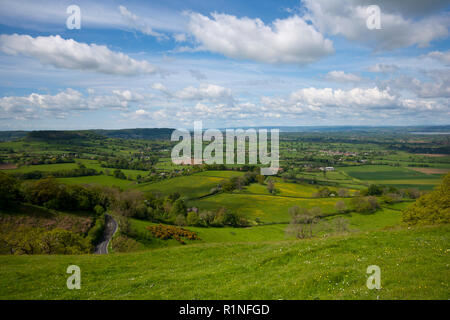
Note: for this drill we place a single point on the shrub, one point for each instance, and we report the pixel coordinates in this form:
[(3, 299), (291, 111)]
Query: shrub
[(365, 204), (29, 240), (96, 232), (171, 232), (373, 190), (180, 220), (323, 192), (192, 218), (122, 243), (340, 206), (302, 222), (343, 193), (431, 208)]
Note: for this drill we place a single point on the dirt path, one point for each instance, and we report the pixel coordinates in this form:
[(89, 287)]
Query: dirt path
[(110, 229)]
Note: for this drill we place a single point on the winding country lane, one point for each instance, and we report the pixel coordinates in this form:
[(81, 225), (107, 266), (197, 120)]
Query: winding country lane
[(110, 229)]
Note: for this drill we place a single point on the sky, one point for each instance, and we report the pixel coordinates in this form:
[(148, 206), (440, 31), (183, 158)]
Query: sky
[(227, 63)]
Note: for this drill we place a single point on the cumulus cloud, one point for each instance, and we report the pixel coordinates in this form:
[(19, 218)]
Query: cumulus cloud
[(438, 85), (204, 91), (136, 23), (357, 97), (341, 76), (323, 104), (348, 18), (70, 54), (289, 40), (63, 103)]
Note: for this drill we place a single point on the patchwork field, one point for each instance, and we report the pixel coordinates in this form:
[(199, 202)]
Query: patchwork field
[(397, 176)]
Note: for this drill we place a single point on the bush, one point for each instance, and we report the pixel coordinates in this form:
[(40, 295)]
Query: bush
[(373, 190), (323, 193), (365, 204), (302, 222), (180, 220), (122, 243), (96, 232), (431, 208), (343, 193), (29, 240), (340, 206), (9, 190), (192, 218), (171, 232)]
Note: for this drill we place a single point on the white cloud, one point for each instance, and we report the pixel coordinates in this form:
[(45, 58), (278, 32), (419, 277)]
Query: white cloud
[(136, 23), (444, 57), (204, 91), (341, 76), (70, 54), (180, 37), (64, 103), (437, 87), (357, 97), (348, 18), (383, 68), (289, 40), (127, 95)]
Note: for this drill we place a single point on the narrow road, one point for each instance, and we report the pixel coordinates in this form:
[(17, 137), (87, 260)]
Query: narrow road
[(110, 229)]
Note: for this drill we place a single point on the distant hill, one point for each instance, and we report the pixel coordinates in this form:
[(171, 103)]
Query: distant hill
[(54, 135), (57, 135), (165, 133), (12, 135), (143, 133)]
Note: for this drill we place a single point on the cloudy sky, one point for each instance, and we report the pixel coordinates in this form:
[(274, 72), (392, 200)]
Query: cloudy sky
[(229, 63)]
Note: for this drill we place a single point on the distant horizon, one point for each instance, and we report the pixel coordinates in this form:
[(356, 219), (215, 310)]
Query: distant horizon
[(245, 127)]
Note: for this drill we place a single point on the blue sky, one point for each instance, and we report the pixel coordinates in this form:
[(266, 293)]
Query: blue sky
[(227, 63)]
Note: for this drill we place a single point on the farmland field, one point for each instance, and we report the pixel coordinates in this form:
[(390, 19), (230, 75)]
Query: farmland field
[(266, 208), (393, 176), (189, 186), (227, 226)]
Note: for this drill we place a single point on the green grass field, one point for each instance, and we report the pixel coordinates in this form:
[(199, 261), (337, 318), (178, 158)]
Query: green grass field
[(275, 232), (267, 208), (192, 186), (396, 176), (413, 263), (100, 180)]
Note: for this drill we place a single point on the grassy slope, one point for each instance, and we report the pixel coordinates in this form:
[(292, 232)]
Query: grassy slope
[(414, 265), (265, 207), (189, 186), (100, 180)]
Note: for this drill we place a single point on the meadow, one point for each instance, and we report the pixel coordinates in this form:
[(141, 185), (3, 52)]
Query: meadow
[(414, 265), (264, 208)]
